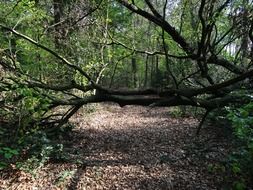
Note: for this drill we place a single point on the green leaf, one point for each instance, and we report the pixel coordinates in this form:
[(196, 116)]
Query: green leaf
[(3, 165), (244, 113), (8, 155), (236, 168), (239, 185)]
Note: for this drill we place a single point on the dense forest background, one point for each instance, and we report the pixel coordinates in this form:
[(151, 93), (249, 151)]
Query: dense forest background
[(58, 55)]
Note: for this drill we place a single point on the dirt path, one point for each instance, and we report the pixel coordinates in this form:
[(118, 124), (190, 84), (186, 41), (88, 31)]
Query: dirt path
[(132, 148)]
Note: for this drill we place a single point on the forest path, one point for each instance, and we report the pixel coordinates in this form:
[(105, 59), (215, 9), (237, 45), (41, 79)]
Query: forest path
[(134, 148)]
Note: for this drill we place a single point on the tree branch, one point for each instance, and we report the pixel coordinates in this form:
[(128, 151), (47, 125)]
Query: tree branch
[(64, 61), (162, 23)]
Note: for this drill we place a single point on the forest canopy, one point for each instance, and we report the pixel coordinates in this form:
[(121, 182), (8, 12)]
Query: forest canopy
[(70, 53)]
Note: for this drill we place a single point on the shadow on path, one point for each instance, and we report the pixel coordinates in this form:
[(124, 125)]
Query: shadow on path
[(125, 149)]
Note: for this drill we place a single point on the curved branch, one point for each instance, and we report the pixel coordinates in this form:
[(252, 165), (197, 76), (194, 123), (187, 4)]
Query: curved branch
[(154, 11), (216, 87), (64, 61), (225, 63), (60, 87), (148, 52), (162, 23)]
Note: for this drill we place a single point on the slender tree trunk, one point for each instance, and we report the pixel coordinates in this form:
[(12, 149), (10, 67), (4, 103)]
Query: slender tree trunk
[(152, 78), (146, 72), (245, 38), (103, 49), (134, 71), (113, 74), (58, 13), (157, 73)]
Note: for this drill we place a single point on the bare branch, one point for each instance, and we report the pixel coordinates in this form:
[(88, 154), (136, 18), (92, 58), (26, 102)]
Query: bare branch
[(162, 23), (116, 42), (73, 85), (217, 60), (154, 11)]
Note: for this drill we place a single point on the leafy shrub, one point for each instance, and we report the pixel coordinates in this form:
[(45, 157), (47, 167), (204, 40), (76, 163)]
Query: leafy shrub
[(6, 154), (19, 131), (32, 151), (241, 161), (39, 153)]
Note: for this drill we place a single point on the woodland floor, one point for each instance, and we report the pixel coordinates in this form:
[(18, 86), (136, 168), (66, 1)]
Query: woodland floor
[(131, 148)]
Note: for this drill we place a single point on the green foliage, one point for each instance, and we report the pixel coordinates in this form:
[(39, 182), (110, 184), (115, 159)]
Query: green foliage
[(106, 41), (239, 185), (176, 112), (33, 150), (7, 153), (238, 167), (242, 120), (65, 175), (29, 108), (39, 150), (3, 165), (241, 161), (216, 168)]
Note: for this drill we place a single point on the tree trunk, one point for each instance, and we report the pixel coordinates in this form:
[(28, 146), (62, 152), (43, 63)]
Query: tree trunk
[(146, 72), (134, 71), (58, 13)]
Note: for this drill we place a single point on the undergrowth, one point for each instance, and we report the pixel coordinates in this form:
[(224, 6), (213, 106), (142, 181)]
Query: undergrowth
[(32, 151), (237, 168)]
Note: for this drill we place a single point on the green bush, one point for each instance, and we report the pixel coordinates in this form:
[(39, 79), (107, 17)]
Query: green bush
[(6, 154), (32, 151), (241, 161)]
